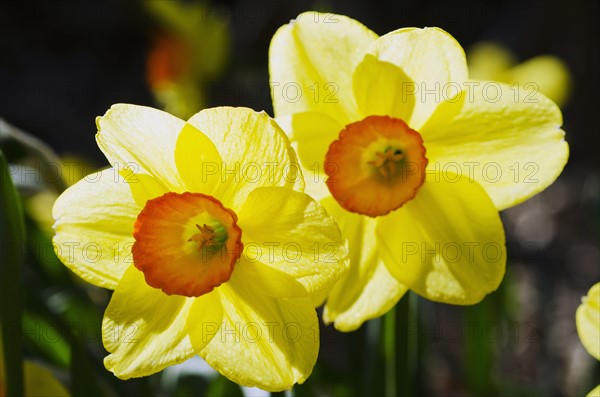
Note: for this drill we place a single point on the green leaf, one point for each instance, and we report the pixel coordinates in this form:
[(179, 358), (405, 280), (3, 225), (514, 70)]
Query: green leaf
[(45, 338), (39, 157), (83, 381), (12, 247)]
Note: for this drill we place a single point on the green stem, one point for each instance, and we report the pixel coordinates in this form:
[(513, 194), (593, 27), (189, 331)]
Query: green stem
[(390, 351), (478, 350), (12, 244), (413, 344), (371, 356), (402, 348)]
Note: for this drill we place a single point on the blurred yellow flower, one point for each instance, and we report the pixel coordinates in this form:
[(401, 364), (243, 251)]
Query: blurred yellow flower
[(546, 73), (189, 53), (587, 319), (210, 247), (175, 87), (418, 159)]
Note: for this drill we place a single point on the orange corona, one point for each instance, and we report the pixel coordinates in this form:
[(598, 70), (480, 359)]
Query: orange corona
[(376, 165), (186, 244)]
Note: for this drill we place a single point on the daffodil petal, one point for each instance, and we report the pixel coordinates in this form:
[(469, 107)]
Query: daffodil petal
[(507, 139), (254, 149), (94, 226), (378, 292), (381, 88), (143, 187), (145, 330), (315, 184), (263, 342), (447, 244), (311, 61), (312, 132), (594, 392), (318, 299), (197, 160), (263, 279), (368, 290), (587, 319), (431, 58), (141, 139), (359, 230), (308, 245)]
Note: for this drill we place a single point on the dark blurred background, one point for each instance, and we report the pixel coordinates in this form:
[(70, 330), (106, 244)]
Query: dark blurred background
[(62, 63)]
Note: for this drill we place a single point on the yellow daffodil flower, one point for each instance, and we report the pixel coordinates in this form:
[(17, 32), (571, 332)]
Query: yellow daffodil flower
[(210, 247), (546, 73), (587, 319), (412, 158)]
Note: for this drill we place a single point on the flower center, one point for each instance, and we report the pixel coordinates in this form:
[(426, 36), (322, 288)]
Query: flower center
[(209, 236), (376, 165), (386, 162), (186, 244)]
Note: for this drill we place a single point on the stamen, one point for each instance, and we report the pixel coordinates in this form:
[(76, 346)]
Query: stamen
[(209, 236), (386, 161), (205, 237)]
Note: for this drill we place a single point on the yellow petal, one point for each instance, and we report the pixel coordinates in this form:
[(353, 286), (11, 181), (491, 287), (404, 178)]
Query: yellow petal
[(374, 295), (368, 290), (145, 330), (315, 182), (94, 226), (198, 161), (39, 382), (143, 187), (595, 392), (311, 61), (507, 140), (290, 232), (254, 150), (447, 244), (264, 342), (263, 279), (431, 58), (319, 298), (587, 319), (141, 139), (380, 88), (312, 132)]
